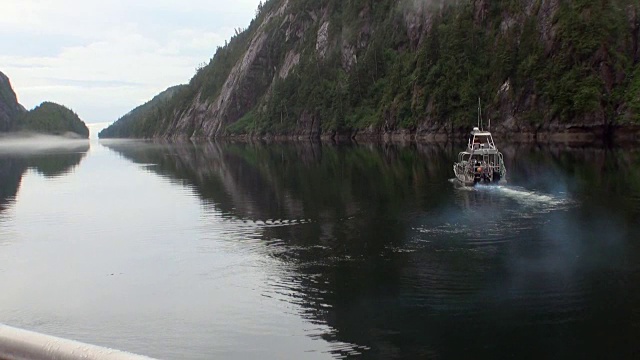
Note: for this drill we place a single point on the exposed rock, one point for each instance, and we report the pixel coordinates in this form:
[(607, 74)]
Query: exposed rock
[(290, 62), (418, 17), (365, 31), (505, 96), (322, 44), (508, 22), (240, 92), (481, 10), (297, 25), (308, 126), (334, 40), (237, 94), (9, 106), (227, 105), (548, 9), (349, 58)]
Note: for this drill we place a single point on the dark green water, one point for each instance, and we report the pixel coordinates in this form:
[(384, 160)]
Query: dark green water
[(239, 251)]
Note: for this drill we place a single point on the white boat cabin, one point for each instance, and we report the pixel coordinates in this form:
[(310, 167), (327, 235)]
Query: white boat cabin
[(480, 140)]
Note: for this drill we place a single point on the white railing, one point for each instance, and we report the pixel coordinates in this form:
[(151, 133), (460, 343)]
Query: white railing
[(18, 344)]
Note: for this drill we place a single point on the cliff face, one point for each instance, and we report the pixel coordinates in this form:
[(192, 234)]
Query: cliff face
[(134, 123), (416, 68), (9, 106)]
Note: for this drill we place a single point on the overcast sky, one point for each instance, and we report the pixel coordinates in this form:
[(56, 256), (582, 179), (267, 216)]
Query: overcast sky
[(103, 58)]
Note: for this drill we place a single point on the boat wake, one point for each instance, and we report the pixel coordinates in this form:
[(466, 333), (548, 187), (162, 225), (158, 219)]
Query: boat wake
[(488, 215), (524, 196)]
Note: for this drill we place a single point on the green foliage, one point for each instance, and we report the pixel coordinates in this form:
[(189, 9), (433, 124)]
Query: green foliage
[(578, 68), (51, 118), (361, 118), (145, 120), (156, 117), (591, 36), (633, 96), (246, 125)]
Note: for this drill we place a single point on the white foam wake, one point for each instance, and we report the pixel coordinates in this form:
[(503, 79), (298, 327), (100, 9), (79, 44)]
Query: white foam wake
[(523, 195)]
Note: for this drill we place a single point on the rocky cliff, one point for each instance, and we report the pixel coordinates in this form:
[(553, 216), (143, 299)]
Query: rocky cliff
[(544, 69), (135, 122), (9, 106)]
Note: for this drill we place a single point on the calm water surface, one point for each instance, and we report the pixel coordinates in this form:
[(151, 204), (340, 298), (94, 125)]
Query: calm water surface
[(309, 251)]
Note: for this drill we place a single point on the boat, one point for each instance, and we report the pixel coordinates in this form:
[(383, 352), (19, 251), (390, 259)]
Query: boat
[(480, 162)]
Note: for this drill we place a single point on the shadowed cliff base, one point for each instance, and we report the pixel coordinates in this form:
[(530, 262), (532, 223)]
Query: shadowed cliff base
[(621, 135)]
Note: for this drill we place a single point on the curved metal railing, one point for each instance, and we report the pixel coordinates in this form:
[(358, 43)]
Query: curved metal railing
[(18, 344)]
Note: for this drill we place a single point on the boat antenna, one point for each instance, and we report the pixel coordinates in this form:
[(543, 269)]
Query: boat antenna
[(489, 127), (479, 114)]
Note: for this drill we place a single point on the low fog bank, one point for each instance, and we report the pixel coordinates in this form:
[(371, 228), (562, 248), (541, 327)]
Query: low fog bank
[(95, 128), (33, 143)]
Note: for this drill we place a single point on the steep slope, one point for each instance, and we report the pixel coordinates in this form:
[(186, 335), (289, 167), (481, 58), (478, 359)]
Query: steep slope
[(51, 118), (48, 118), (140, 120), (9, 106), (415, 68)]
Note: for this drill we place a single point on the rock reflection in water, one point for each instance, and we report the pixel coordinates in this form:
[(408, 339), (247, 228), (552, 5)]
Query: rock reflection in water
[(51, 161), (400, 264)]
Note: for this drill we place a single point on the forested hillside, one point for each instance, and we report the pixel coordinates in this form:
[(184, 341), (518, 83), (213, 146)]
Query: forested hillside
[(54, 119), (48, 118), (310, 68), (140, 121)]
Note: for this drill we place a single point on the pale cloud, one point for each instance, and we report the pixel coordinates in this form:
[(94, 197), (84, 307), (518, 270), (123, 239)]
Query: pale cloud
[(103, 58)]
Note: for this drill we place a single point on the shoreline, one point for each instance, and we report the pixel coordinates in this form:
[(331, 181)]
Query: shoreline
[(570, 134)]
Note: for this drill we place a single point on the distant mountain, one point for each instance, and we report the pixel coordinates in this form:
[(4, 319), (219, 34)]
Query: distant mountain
[(137, 122), (335, 68), (48, 118), (54, 119), (9, 106)]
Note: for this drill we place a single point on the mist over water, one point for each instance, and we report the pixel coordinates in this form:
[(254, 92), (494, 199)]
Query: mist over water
[(225, 250), (34, 143)]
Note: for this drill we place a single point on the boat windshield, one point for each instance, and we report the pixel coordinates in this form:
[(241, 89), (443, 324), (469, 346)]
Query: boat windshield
[(479, 141)]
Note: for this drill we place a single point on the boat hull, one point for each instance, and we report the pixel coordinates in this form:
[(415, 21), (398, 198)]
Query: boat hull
[(470, 178)]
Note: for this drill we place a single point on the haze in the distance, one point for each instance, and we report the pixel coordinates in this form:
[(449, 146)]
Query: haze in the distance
[(104, 58)]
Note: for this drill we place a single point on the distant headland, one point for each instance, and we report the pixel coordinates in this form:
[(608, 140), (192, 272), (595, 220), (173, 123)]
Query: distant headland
[(47, 118)]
